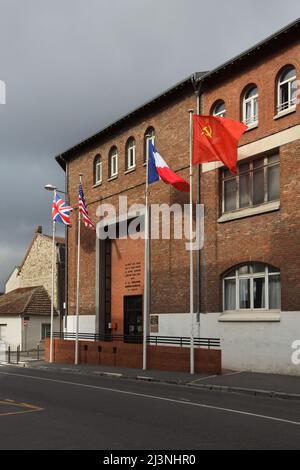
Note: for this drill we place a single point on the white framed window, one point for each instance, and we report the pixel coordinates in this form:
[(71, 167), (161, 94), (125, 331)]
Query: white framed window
[(98, 170), (250, 106), (219, 109), (253, 286), (286, 90), (45, 330), (113, 162), (149, 137), (257, 182), (130, 154)]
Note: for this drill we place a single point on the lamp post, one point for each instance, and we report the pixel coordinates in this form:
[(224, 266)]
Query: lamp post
[(51, 187), (54, 189)]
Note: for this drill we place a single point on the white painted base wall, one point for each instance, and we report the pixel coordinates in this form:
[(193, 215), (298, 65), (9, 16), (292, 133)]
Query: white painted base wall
[(87, 324), (259, 346), (248, 346)]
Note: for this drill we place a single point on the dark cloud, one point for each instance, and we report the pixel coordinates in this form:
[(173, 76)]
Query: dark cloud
[(73, 66)]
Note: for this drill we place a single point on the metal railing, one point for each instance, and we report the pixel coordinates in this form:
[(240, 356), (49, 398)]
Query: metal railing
[(182, 341), (15, 356)]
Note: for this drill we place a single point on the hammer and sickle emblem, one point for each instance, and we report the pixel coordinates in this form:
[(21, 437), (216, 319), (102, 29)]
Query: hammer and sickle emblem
[(207, 131)]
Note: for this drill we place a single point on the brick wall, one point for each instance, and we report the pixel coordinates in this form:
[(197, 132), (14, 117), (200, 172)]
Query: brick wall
[(262, 72), (117, 354), (270, 238), (171, 123)]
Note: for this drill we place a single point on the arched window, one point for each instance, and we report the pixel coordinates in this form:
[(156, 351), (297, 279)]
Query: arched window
[(113, 163), (286, 89), (219, 109), (148, 137), (253, 286), (130, 154), (250, 106), (97, 169)]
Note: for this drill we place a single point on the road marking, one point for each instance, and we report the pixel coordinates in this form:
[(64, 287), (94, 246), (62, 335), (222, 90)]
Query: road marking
[(154, 397), (14, 413), (10, 403)]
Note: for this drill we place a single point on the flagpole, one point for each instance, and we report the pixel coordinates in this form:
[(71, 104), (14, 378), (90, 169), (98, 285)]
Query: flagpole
[(146, 268), (52, 285), (77, 284), (192, 358), (198, 200)]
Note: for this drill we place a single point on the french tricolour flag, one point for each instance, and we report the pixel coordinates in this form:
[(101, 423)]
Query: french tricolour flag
[(159, 170)]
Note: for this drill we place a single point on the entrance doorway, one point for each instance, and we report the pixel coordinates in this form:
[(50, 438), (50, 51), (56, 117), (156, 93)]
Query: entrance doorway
[(133, 319)]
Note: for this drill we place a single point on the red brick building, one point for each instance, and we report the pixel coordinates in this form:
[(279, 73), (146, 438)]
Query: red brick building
[(248, 290)]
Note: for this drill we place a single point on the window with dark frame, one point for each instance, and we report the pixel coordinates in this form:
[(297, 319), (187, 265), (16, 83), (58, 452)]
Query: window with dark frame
[(45, 330), (257, 182)]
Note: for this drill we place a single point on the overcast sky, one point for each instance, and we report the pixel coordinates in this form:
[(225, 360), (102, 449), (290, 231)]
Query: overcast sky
[(73, 66)]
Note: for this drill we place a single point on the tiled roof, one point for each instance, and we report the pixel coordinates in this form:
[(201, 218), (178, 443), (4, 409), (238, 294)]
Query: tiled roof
[(26, 301)]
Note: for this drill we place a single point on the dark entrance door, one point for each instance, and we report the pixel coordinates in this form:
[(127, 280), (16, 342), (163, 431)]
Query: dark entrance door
[(133, 319)]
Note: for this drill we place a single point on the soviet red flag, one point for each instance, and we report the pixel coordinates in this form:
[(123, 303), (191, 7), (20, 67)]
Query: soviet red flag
[(216, 139)]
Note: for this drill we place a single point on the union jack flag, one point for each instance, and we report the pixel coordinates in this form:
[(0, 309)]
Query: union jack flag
[(60, 211), (84, 210)]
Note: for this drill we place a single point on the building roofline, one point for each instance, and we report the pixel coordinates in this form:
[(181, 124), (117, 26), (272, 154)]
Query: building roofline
[(58, 241), (11, 273), (180, 85), (196, 80), (265, 42)]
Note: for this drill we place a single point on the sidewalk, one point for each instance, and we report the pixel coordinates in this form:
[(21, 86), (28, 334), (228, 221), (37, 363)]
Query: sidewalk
[(271, 385)]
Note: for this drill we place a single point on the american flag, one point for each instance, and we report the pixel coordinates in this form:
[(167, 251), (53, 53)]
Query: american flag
[(84, 210), (60, 210)]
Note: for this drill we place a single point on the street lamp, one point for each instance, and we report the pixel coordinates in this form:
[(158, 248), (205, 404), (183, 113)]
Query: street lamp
[(51, 187), (54, 189)]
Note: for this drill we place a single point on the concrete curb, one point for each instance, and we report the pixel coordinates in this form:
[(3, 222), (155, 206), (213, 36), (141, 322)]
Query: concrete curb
[(141, 378), (115, 375), (247, 391)]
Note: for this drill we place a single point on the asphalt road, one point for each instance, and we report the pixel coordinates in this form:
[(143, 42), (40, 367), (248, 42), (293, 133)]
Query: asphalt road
[(56, 410)]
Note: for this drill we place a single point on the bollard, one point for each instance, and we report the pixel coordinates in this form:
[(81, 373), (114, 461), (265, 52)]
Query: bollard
[(18, 354), (8, 355)]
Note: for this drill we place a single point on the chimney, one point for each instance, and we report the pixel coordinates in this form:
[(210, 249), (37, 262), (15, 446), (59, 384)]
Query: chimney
[(39, 229)]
